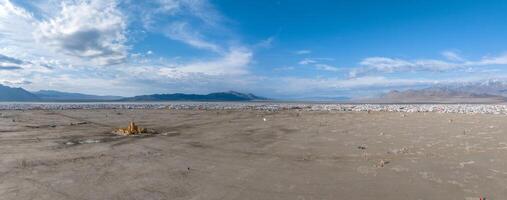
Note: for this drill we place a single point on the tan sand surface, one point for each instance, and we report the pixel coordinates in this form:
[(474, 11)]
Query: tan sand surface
[(71, 154)]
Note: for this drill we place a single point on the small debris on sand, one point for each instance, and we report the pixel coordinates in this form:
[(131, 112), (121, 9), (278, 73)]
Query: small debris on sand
[(86, 141), (381, 163), (170, 133), (462, 164), (78, 123), (475, 198), (89, 141), (403, 150), (132, 129), (41, 126), (362, 147)]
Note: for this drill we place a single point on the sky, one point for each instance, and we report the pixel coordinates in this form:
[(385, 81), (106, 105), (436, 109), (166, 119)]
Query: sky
[(279, 48)]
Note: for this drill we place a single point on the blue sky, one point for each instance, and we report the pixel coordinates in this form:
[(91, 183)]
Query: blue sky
[(280, 49)]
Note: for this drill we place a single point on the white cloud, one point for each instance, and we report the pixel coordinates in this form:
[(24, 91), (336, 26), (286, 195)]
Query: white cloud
[(168, 5), (164, 9), (390, 65), (74, 33), (235, 62), (227, 72), (200, 9), (326, 67), (489, 60), (302, 52), (200, 23), (307, 61), (266, 43), (16, 26), (384, 64), (287, 68), (380, 81), (63, 47), (317, 63), (182, 32), (188, 21), (20, 55), (88, 29), (452, 56)]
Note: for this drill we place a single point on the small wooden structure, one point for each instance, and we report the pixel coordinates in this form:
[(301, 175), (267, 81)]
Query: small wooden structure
[(132, 129)]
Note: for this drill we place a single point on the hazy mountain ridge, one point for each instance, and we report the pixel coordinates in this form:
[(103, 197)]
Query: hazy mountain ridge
[(52, 95), (491, 87), (16, 94), (218, 96), (475, 92), (435, 92), (319, 99), (20, 94)]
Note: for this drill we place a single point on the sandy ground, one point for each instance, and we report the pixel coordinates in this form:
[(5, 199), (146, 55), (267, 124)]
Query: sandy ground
[(239, 155)]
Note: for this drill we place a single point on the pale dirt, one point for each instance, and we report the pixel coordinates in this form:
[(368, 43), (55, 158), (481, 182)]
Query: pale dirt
[(239, 155)]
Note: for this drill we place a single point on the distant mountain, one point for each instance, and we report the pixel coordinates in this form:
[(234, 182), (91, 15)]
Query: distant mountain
[(439, 94), (16, 94), (434, 92), (219, 96), (51, 95), (321, 99), (491, 87)]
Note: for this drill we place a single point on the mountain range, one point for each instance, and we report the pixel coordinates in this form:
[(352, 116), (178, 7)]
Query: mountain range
[(489, 91), (52, 95), (218, 96), (16, 94), (20, 94)]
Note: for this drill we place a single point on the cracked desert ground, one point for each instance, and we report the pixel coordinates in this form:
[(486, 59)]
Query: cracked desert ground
[(238, 154)]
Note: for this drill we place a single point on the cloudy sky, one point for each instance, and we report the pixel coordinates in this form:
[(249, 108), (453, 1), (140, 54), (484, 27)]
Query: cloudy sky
[(278, 48)]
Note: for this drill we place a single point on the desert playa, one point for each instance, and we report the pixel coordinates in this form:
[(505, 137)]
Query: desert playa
[(254, 154)]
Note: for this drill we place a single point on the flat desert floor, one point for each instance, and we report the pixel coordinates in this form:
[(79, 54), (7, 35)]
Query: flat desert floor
[(71, 154)]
